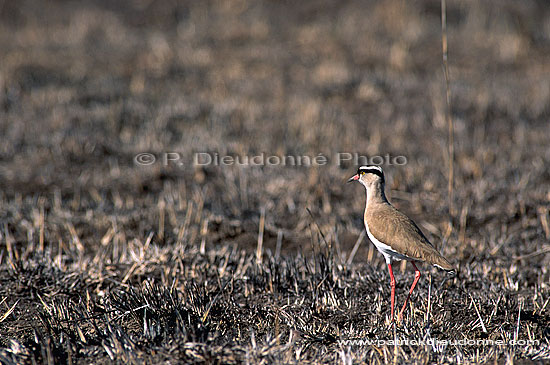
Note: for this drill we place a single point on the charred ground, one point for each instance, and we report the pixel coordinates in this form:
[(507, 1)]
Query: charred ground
[(105, 259)]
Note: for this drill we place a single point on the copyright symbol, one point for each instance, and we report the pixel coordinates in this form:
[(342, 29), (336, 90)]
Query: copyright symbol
[(145, 159)]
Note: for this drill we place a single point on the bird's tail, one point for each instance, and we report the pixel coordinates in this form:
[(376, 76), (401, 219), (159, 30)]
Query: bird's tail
[(442, 263)]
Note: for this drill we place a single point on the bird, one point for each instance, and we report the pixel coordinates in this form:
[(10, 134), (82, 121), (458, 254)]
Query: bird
[(394, 234)]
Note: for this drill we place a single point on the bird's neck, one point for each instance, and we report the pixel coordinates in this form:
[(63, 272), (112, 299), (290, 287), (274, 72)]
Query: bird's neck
[(376, 195)]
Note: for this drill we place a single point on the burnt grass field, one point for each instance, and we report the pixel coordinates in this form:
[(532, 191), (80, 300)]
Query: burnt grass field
[(109, 255)]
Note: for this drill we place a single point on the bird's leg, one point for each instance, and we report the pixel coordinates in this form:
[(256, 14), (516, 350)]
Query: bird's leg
[(392, 283), (417, 275)]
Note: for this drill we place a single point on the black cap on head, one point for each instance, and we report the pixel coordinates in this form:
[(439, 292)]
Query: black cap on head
[(372, 169)]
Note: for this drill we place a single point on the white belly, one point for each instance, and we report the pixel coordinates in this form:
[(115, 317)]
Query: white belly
[(389, 254)]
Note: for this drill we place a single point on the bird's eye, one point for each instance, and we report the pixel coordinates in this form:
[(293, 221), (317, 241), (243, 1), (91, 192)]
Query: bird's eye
[(362, 172)]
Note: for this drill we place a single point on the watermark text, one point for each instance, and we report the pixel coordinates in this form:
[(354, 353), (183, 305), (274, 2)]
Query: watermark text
[(265, 159)]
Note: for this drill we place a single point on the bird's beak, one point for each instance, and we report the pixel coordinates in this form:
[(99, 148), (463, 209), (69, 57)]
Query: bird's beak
[(354, 178)]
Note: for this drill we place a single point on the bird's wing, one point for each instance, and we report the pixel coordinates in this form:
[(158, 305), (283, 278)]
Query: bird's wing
[(395, 229)]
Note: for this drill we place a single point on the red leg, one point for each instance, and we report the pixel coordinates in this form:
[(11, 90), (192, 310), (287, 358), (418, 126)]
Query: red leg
[(392, 283), (417, 275)]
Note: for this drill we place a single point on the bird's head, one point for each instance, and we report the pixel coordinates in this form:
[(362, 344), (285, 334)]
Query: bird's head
[(369, 175)]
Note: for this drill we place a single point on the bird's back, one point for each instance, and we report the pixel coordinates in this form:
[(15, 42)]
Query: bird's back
[(390, 226)]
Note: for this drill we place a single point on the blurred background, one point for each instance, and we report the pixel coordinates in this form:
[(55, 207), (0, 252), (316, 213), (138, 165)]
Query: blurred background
[(85, 86)]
